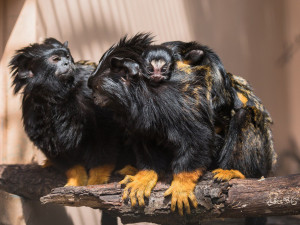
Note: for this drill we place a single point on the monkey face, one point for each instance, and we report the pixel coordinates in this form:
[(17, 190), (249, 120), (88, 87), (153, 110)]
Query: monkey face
[(158, 70), (62, 63), (41, 64), (158, 63)]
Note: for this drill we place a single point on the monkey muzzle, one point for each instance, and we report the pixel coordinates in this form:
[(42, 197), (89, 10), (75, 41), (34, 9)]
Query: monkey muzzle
[(157, 77)]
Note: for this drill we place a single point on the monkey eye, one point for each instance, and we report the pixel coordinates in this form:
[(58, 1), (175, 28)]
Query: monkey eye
[(67, 56), (150, 69), (55, 58), (163, 70)]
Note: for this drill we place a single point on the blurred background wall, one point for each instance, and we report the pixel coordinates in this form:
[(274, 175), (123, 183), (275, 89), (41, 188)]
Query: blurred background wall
[(259, 40)]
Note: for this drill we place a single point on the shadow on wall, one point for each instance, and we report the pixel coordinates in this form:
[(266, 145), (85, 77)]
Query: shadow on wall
[(8, 24), (36, 214), (84, 33), (291, 157)]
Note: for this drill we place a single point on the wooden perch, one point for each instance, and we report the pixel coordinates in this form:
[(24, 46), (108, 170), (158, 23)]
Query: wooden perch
[(237, 198), (30, 181)]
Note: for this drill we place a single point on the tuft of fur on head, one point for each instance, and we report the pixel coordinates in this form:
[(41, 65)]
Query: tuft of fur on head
[(130, 47)]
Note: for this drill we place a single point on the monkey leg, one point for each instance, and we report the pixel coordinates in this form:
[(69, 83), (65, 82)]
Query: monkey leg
[(100, 174), (77, 176), (226, 175), (182, 190), (141, 185), (127, 170)]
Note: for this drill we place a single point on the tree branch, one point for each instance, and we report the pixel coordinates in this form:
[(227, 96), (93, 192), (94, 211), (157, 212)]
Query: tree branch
[(238, 198)]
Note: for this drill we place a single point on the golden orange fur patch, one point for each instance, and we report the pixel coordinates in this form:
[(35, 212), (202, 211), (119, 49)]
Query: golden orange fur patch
[(197, 95), (184, 67), (77, 176), (182, 190), (226, 175), (100, 174), (186, 62), (127, 170), (243, 98), (140, 185)]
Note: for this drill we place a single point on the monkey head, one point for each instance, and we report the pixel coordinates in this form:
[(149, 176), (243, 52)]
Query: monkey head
[(157, 63), (119, 75), (113, 83), (41, 64)]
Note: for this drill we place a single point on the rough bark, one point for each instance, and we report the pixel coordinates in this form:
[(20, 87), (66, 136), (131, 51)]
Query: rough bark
[(238, 198), (30, 181)]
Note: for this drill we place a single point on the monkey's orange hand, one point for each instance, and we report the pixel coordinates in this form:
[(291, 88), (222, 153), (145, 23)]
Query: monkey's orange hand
[(226, 175), (182, 189), (141, 185)]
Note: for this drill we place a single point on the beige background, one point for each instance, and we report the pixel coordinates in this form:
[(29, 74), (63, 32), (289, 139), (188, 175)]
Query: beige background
[(257, 39)]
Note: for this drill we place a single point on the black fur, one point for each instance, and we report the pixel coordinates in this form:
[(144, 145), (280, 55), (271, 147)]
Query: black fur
[(170, 127), (59, 115)]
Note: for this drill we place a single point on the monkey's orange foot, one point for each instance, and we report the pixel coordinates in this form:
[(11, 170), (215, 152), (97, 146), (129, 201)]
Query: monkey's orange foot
[(226, 175), (141, 185), (127, 170), (182, 189), (47, 163), (76, 176), (100, 174)]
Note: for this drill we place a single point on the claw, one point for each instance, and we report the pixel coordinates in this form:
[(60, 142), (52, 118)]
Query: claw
[(141, 185)]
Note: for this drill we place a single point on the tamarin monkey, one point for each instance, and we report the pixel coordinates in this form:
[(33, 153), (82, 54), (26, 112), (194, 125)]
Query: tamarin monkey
[(167, 113)]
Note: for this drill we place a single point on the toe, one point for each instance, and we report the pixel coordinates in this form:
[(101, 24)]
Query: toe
[(193, 199), (140, 197), (187, 205)]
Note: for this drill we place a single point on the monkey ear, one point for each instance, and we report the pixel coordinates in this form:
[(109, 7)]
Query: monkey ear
[(194, 56), (66, 44), (20, 64), (20, 69), (129, 65)]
